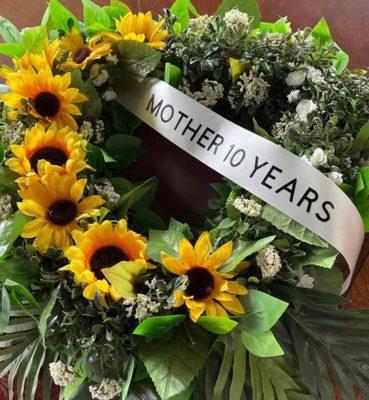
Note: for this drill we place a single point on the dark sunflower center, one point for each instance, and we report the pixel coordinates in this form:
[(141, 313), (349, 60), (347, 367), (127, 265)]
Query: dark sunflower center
[(46, 104), (81, 55), (200, 283), (106, 257), (62, 212), (52, 154)]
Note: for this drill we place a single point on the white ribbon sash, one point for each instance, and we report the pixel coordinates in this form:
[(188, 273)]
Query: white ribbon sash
[(263, 168)]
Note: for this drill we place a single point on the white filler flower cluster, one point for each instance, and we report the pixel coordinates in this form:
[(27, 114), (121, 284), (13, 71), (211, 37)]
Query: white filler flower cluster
[(269, 261), (248, 207), (211, 92), (6, 209), (107, 390), (62, 374), (237, 21)]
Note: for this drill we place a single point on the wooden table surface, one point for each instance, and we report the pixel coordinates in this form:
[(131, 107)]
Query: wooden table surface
[(348, 20)]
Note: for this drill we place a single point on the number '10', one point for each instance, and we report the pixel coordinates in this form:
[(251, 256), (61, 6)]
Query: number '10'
[(235, 157)]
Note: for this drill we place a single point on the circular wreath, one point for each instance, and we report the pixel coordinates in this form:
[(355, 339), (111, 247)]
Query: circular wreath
[(103, 297)]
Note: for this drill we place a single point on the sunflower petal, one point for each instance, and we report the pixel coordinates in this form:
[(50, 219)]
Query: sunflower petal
[(186, 253), (220, 256), (202, 248), (173, 265)]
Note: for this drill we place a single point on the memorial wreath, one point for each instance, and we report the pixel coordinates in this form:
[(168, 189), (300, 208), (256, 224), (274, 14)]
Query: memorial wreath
[(103, 298)]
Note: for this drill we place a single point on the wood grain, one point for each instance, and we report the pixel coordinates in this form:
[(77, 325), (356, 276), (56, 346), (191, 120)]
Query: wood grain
[(182, 178)]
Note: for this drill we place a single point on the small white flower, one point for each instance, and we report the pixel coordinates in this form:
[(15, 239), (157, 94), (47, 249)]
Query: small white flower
[(106, 190), (200, 23), (315, 75), (293, 96), (336, 177), (109, 95), (6, 209), (248, 207), (107, 390), (112, 58), (209, 95), (269, 261), (62, 374), (101, 78), (306, 281), (12, 134), (94, 71), (237, 20), (296, 78), (304, 108), (318, 158)]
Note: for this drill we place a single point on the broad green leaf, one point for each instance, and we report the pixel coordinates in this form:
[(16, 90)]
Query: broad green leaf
[(185, 395), (217, 325), (361, 141), (261, 344), (185, 229), (124, 121), (124, 149), (282, 26), (324, 258), (326, 280), (96, 18), (46, 312), (19, 270), (20, 293), (238, 371), (244, 250), (173, 363), (9, 31), (34, 38), (163, 241), (95, 158), (146, 219), (4, 310), (321, 32), (13, 50), (7, 179), (137, 59), (225, 369), (262, 311), (158, 327), (249, 7), (128, 372), (62, 18), (173, 75), (10, 229), (182, 9), (123, 7), (123, 275), (293, 228), (342, 60), (133, 196)]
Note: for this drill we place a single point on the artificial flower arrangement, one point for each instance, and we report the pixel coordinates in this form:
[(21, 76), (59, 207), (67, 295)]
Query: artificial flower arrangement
[(98, 294)]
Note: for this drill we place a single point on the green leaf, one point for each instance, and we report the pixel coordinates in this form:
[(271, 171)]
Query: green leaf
[(182, 9), (282, 26), (342, 60), (361, 141), (137, 59), (326, 280), (217, 325), (239, 371), (249, 7), (9, 31), (324, 258), (158, 327), (19, 270), (96, 18), (291, 227), (133, 196), (262, 311), (4, 310), (145, 220), (244, 250), (19, 293), (123, 148), (13, 50), (10, 229), (124, 121), (225, 369), (34, 38), (95, 158), (123, 7), (163, 241), (321, 32), (173, 364), (62, 18), (7, 181), (46, 312), (261, 344), (173, 75), (129, 369)]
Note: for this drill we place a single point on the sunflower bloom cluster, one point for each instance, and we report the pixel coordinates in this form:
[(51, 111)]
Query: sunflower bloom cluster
[(208, 290)]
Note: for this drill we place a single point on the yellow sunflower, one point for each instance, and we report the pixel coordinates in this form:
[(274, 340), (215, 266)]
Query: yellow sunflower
[(81, 53), (48, 150), (46, 97), (207, 289), (55, 203), (101, 248), (37, 62), (139, 27)]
